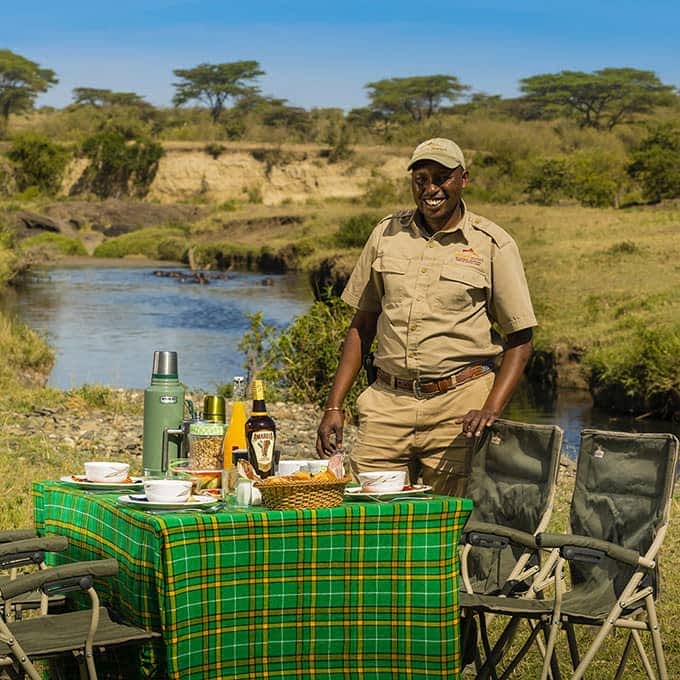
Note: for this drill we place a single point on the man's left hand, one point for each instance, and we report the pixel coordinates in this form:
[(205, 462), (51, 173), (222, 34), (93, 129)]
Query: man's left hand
[(476, 420)]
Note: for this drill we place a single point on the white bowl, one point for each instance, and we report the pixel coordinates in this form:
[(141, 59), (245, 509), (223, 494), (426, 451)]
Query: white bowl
[(382, 481), (106, 471), (315, 465), (168, 490), (290, 467)]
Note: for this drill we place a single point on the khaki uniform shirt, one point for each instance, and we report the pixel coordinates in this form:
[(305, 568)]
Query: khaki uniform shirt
[(439, 295)]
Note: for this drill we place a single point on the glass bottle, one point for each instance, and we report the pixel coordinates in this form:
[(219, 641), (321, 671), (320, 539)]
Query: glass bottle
[(235, 445), (261, 434)]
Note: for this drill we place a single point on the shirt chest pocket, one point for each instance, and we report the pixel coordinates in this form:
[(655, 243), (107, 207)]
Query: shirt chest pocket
[(459, 288), (393, 274)]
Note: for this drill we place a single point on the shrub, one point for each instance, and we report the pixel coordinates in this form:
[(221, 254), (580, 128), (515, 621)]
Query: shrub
[(656, 163), (154, 243), (549, 180), (38, 162), (641, 375), (215, 150), (58, 242), (355, 230), (118, 167)]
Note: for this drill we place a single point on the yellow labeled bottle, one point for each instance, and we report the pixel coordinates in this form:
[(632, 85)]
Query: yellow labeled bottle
[(235, 445), (261, 435)]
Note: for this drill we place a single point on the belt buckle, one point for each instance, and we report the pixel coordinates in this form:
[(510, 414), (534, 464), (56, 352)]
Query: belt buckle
[(416, 389)]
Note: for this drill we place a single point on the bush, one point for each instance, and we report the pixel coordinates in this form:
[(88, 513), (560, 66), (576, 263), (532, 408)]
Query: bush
[(118, 167), (155, 243), (642, 375), (656, 163), (355, 230), (58, 242), (308, 352), (38, 162)]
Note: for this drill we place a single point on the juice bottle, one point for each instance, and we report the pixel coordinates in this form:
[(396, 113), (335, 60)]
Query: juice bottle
[(235, 445)]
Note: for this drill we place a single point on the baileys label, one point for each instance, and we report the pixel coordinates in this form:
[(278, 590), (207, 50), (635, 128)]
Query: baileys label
[(263, 447)]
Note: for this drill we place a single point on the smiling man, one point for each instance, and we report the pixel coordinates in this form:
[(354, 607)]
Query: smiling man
[(444, 293)]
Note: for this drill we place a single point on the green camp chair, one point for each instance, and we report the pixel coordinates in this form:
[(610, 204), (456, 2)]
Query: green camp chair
[(512, 483), (20, 550), (77, 633), (618, 518)]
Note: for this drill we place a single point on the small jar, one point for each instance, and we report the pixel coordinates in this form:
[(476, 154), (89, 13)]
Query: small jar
[(206, 445)]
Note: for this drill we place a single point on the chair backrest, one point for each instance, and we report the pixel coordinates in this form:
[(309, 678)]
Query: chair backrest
[(623, 491), (512, 483)]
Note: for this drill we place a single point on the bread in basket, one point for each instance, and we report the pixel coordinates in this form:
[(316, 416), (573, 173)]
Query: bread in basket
[(288, 493)]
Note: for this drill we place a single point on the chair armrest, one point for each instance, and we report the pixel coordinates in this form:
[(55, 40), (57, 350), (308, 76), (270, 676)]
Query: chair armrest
[(565, 542), (9, 535), (485, 534), (30, 550), (68, 577)]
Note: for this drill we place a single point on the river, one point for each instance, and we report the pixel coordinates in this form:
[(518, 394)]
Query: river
[(105, 322)]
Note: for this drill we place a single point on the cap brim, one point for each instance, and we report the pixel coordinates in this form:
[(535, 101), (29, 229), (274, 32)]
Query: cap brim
[(444, 160)]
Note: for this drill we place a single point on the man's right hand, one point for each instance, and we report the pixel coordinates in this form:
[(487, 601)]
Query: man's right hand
[(329, 434)]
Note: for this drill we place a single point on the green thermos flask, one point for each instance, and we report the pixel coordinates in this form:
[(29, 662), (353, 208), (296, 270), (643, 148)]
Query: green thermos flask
[(163, 415)]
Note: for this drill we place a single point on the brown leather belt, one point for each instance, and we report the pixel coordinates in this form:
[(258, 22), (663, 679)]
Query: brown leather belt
[(423, 389)]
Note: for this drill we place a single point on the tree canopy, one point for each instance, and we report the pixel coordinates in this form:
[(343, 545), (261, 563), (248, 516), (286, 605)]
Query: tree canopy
[(99, 97), (21, 81), (215, 84), (417, 97), (601, 99)]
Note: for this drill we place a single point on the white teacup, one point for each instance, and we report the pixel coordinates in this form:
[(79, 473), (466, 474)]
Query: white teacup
[(382, 481), (167, 490), (106, 471)]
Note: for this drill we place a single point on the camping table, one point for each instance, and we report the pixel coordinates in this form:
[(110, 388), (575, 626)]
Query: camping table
[(365, 590)]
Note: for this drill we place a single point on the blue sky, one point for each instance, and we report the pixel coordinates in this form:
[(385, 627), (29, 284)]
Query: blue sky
[(323, 53)]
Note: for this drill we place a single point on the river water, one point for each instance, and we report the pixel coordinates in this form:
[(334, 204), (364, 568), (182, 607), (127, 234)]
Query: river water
[(104, 324)]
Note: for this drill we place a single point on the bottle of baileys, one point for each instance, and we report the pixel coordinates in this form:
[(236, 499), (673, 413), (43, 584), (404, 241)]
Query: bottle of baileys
[(261, 434)]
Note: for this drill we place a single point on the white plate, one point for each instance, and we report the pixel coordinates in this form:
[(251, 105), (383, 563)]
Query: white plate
[(83, 483), (356, 492), (139, 501)]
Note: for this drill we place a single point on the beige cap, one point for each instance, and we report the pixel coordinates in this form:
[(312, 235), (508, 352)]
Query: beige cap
[(441, 150)]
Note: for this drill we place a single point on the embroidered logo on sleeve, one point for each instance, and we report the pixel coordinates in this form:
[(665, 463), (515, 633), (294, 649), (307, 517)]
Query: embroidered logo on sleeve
[(469, 256)]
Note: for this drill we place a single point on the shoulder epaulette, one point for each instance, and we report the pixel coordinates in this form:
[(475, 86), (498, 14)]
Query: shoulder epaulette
[(499, 236)]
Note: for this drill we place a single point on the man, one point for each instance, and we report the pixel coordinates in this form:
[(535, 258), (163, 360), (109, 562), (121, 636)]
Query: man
[(433, 285)]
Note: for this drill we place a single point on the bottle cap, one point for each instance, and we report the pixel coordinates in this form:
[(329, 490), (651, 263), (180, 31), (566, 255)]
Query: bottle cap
[(214, 408), (258, 390)]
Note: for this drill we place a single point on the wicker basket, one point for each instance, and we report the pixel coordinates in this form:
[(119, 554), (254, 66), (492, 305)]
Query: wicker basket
[(287, 495)]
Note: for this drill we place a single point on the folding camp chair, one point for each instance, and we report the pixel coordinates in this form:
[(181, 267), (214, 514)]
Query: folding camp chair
[(18, 555), (77, 633), (512, 483), (619, 516)]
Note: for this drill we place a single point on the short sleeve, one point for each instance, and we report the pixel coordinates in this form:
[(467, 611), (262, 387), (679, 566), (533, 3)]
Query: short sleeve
[(363, 290), (510, 305)]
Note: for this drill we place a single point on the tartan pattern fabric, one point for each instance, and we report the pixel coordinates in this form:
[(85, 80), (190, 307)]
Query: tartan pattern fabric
[(365, 590)]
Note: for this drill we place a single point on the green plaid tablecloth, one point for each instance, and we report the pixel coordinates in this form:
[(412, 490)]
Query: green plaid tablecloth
[(366, 590)]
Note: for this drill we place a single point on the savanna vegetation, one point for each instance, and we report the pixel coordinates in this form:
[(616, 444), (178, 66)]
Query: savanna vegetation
[(583, 169)]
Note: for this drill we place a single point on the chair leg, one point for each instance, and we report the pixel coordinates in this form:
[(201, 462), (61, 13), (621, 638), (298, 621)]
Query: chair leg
[(594, 648), (643, 655), (535, 630), (653, 623), (624, 657), (573, 645)]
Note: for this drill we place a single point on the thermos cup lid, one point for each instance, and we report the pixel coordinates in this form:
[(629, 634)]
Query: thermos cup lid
[(164, 363), (214, 408)]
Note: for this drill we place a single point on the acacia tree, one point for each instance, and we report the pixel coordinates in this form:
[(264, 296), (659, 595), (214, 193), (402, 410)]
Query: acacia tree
[(95, 96), (418, 97), (21, 81), (215, 84), (601, 99)]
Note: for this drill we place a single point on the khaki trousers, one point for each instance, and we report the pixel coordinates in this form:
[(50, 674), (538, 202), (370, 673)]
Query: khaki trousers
[(397, 431)]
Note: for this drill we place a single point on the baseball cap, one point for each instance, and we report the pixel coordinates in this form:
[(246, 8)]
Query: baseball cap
[(441, 150)]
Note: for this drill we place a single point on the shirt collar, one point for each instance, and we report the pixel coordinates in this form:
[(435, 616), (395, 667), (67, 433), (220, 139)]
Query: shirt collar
[(463, 225)]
